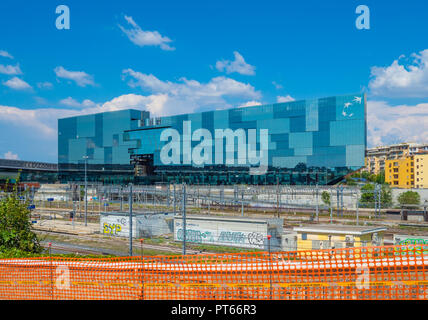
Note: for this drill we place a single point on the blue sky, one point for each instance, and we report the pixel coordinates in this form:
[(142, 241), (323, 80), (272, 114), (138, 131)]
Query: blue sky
[(173, 57)]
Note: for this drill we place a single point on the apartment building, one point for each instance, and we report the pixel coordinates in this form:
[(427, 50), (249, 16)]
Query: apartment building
[(400, 173), (409, 172), (376, 157), (421, 170)]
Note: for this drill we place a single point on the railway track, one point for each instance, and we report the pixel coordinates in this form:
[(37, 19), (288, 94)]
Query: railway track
[(73, 248)]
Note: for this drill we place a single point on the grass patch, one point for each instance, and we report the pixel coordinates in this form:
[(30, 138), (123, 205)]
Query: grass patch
[(214, 248), (15, 253)]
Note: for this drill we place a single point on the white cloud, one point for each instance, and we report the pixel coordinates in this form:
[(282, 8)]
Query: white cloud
[(70, 102), (250, 104), (40, 120), (44, 85), (393, 124), (17, 84), (43, 121), (402, 79), (145, 38), (10, 70), (81, 78), (5, 54), (187, 96), (153, 103), (35, 132), (238, 65), (10, 156), (287, 98)]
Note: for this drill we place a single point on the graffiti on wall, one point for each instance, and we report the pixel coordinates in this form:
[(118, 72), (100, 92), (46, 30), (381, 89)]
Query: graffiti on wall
[(255, 238), (232, 237), (235, 238), (116, 226), (411, 246), (195, 236), (113, 229)]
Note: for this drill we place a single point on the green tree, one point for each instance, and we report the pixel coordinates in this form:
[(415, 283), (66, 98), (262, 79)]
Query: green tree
[(367, 195), (15, 225), (372, 178), (350, 182), (380, 177), (325, 197), (365, 175), (409, 197), (356, 175)]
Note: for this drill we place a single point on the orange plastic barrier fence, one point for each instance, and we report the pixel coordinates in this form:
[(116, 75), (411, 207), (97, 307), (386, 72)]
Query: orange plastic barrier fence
[(391, 272)]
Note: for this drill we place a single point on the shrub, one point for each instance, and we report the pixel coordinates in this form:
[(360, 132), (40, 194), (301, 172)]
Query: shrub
[(15, 225), (409, 197), (325, 197)]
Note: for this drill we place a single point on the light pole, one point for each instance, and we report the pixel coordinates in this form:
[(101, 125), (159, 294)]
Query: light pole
[(184, 217), (86, 190), (270, 269), (131, 200)]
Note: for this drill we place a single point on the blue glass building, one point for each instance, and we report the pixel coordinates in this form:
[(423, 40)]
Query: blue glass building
[(316, 141)]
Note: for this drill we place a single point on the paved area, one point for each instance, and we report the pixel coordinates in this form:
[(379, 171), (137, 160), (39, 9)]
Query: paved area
[(64, 226)]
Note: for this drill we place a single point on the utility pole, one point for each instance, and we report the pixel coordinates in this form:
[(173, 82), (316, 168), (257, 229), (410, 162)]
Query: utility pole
[(86, 191), (121, 198), (209, 199), (184, 218), (316, 195), (270, 265), (130, 219), (357, 211), (277, 197), (168, 200), (242, 203), (380, 198), (174, 200), (337, 201)]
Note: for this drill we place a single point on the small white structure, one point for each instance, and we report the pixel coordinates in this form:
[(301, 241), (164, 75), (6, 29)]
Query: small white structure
[(289, 240), (143, 224), (401, 239), (230, 231)]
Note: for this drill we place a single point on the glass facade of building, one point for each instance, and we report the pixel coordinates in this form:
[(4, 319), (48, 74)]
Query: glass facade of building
[(97, 139), (315, 141)]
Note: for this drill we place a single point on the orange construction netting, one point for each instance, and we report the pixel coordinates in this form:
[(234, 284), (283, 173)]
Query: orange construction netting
[(390, 272)]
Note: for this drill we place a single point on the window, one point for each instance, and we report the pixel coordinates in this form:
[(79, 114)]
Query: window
[(304, 236)]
